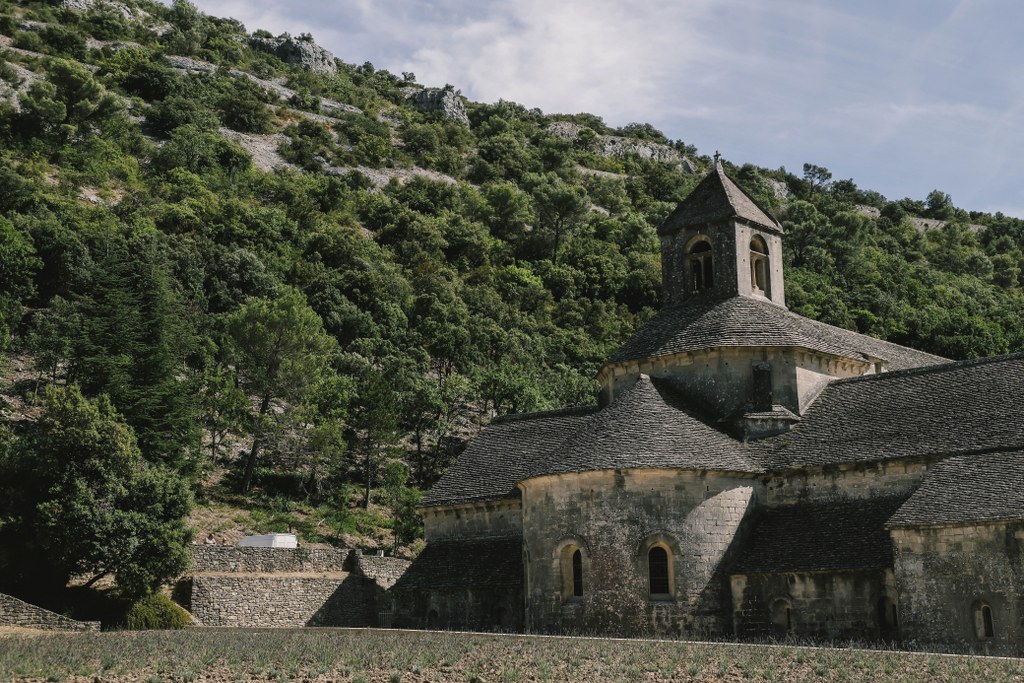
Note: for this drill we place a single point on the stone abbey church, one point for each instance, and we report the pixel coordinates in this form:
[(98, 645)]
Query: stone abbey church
[(748, 472)]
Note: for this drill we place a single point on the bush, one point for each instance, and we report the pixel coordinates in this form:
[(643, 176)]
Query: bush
[(63, 41), (28, 40), (245, 112), (165, 116), (156, 611)]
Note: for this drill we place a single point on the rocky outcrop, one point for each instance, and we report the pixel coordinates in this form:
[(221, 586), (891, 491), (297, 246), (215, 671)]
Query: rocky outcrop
[(445, 101), (190, 65), (262, 148), (379, 177), (299, 51), (567, 130), (31, 26), (779, 189), (622, 147), (11, 92), (616, 146), (86, 5)]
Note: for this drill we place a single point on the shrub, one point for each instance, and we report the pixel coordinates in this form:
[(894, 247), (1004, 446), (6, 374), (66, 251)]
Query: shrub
[(29, 40), (245, 112), (156, 611), (165, 116), (64, 41)]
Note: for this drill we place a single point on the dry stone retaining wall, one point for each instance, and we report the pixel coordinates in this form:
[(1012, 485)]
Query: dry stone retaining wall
[(282, 601), (216, 558), (288, 587), (15, 612), (384, 571)]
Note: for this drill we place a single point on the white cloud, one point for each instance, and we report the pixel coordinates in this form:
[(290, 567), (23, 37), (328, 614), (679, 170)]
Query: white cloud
[(904, 97), (610, 58)]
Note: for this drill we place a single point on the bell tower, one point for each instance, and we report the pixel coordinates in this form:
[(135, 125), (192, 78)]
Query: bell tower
[(719, 243)]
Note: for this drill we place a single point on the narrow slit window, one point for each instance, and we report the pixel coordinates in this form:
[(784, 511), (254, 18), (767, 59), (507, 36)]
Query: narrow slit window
[(657, 566), (577, 574)]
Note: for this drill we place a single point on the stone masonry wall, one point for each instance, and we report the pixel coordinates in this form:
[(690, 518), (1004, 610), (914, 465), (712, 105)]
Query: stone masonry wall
[(721, 380), (833, 605), (15, 612), (217, 558), (288, 587), (384, 571), (614, 517), (858, 481), (483, 519), (945, 574), (282, 601)]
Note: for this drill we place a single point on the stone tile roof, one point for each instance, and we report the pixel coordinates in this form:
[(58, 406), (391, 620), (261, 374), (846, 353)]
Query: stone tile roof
[(746, 321), (647, 425), (967, 489), (493, 563), (498, 458), (942, 410), (843, 534), (717, 198)]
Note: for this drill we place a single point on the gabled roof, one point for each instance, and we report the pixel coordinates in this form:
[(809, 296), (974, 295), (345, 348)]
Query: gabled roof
[(500, 456), (647, 426), (718, 198), (936, 411), (746, 321), (842, 534), (967, 489)]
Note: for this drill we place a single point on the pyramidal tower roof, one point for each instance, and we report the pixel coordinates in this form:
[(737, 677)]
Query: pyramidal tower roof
[(718, 198)]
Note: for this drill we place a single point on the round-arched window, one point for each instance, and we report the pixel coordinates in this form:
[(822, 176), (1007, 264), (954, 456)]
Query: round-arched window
[(701, 266), (657, 569), (571, 563), (983, 623), (759, 276), (577, 574), (782, 616)]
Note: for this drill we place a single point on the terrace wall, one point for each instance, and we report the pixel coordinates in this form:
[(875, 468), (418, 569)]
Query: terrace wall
[(15, 612), (287, 587)]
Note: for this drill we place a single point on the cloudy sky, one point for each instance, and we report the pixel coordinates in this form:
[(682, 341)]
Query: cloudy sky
[(903, 96)]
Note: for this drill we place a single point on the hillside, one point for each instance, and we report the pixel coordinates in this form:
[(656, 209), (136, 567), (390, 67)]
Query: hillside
[(302, 284)]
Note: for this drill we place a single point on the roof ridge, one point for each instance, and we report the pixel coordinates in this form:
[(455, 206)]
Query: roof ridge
[(732, 184), (861, 334), (779, 326), (554, 412), (926, 369)]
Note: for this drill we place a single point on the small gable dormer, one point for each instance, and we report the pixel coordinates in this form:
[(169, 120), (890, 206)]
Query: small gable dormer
[(719, 243)]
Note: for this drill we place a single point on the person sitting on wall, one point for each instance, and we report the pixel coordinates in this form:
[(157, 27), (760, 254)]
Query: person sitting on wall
[(210, 540)]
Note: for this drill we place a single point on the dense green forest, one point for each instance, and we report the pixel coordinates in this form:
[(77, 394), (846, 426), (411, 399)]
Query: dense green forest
[(184, 328)]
